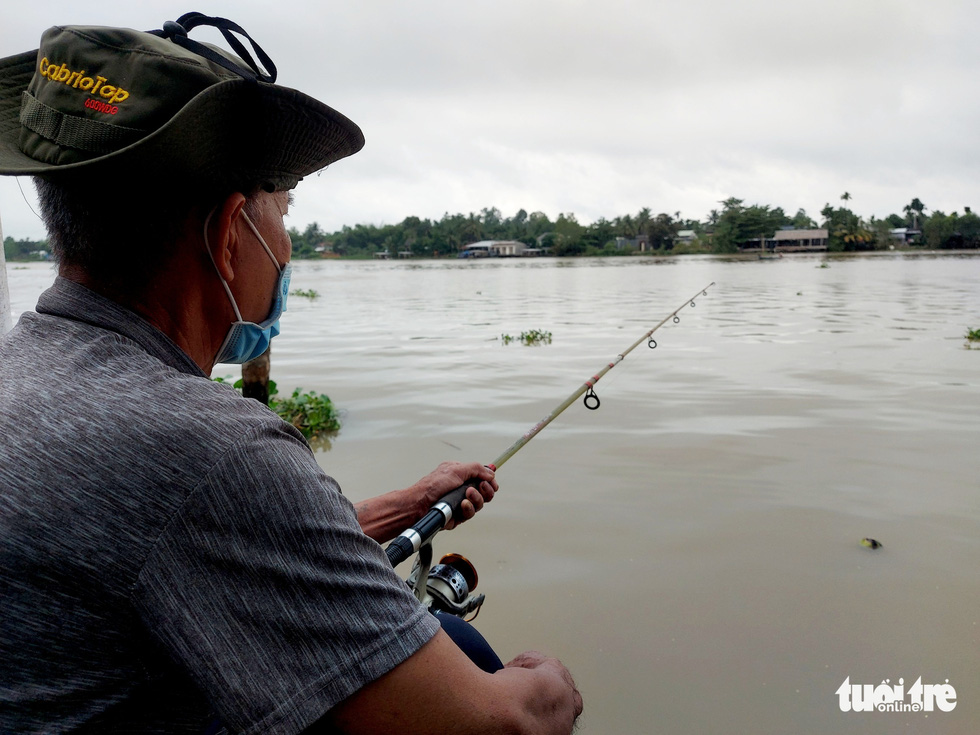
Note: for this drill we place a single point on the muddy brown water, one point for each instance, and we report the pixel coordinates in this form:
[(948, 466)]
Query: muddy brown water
[(691, 549)]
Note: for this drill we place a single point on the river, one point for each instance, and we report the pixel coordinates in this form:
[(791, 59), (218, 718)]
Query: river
[(691, 549)]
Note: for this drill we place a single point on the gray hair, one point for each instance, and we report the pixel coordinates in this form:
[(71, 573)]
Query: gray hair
[(121, 235)]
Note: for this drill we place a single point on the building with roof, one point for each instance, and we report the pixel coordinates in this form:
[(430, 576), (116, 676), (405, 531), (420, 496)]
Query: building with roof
[(497, 249), (799, 241), (905, 235), (640, 243)]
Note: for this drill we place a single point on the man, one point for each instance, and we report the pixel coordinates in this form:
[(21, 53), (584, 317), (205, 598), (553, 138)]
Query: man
[(171, 555)]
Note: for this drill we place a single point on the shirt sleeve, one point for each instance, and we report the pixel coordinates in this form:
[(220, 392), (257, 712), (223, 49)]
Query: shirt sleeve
[(266, 591)]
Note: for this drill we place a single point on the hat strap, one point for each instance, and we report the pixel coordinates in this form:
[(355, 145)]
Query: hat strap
[(73, 131), (177, 32)]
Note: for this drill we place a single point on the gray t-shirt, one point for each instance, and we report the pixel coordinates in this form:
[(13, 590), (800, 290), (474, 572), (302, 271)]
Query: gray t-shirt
[(171, 552)]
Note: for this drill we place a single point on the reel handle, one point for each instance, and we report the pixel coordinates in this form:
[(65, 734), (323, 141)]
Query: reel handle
[(445, 509)]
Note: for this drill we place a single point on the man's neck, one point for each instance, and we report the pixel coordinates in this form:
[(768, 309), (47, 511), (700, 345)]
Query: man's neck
[(174, 303)]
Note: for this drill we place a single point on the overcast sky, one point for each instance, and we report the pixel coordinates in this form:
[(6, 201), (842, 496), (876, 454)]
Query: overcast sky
[(601, 108)]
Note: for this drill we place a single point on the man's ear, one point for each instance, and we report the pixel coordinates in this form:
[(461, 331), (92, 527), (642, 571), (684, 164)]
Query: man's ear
[(222, 234)]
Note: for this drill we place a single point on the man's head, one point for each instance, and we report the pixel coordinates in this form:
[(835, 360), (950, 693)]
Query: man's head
[(154, 155), (129, 133), (158, 106)]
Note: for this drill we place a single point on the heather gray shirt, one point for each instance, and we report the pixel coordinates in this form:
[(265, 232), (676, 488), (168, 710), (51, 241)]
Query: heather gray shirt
[(171, 551)]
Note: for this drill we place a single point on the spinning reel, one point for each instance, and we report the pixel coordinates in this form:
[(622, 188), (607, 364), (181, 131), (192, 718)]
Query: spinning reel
[(448, 586)]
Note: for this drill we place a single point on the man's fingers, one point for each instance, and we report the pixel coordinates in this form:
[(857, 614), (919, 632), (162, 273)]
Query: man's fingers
[(472, 503), (487, 491), (476, 498)]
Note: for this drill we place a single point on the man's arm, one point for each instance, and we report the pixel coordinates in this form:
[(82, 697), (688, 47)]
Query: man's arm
[(384, 517), (439, 690)]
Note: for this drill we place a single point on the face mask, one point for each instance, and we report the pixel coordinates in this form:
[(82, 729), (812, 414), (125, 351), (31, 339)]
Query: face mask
[(246, 340)]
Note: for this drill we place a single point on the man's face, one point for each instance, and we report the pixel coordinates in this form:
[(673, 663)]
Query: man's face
[(257, 282)]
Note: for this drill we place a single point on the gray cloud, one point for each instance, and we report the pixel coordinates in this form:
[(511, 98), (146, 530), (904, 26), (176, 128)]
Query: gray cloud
[(604, 108)]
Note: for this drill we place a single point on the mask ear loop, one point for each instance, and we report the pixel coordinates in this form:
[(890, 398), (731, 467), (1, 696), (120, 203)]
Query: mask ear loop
[(261, 239), (207, 247)]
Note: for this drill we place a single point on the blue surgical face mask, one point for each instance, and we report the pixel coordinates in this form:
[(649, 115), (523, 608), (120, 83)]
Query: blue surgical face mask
[(247, 340)]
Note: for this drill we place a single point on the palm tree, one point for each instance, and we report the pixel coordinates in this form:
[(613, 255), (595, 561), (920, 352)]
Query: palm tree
[(845, 196), (642, 219), (914, 209), (626, 226)]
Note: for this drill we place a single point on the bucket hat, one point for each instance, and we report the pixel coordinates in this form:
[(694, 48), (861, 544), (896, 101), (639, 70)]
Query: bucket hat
[(159, 106)]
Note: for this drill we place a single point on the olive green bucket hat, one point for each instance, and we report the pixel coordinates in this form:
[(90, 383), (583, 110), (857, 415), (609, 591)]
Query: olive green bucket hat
[(159, 106)]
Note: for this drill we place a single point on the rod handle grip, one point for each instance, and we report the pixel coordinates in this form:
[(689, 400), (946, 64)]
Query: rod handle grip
[(454, 498), (399, 550), (448, 506)]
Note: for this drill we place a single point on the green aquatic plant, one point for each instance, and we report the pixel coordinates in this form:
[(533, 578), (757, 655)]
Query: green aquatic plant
[(312, 413), (973, 335), (309, 293), (528, 339)]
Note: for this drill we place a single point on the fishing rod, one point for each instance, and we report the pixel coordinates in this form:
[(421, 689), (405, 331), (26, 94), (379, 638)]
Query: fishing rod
[(412, 539)]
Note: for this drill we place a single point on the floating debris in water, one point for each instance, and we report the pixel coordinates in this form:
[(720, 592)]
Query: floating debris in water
[(529, 339), (871, 543), (311, 293)]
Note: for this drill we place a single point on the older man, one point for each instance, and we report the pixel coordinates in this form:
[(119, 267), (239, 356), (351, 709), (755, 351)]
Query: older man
[(171, 555)]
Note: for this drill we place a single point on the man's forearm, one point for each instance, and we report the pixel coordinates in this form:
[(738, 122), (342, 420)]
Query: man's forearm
[(439, 690), (384, 517)]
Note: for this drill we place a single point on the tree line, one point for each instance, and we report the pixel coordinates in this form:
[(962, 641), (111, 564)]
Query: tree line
[(724, 230)]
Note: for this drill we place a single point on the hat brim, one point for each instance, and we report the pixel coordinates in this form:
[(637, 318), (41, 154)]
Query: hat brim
[(232, 134)]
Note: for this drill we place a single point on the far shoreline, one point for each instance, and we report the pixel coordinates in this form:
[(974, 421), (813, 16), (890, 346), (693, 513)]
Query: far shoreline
[(747, 256)]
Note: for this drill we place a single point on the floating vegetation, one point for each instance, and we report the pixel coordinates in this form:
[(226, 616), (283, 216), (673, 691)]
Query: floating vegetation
[(871, 543), (823, 265), (312, 413), (307, 294), (528, 339), (973, 335)]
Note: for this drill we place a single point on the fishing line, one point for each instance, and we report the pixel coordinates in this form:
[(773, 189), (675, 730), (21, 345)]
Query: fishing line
[(442, 512)]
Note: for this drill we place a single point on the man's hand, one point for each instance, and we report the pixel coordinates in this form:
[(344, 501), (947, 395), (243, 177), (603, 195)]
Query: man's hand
[(447, 477), (384, 517), (536, 660)]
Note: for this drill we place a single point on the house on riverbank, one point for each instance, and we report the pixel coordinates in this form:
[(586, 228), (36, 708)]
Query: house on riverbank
[(905, 235), (800, 241), (789, 241), (640, 243), (497, 249)]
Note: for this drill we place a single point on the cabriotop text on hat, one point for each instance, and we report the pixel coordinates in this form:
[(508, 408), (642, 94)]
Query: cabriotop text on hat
[(95, 86)]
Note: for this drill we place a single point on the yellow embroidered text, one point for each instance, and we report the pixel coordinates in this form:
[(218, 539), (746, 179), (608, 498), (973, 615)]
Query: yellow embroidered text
[(77, 80)]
